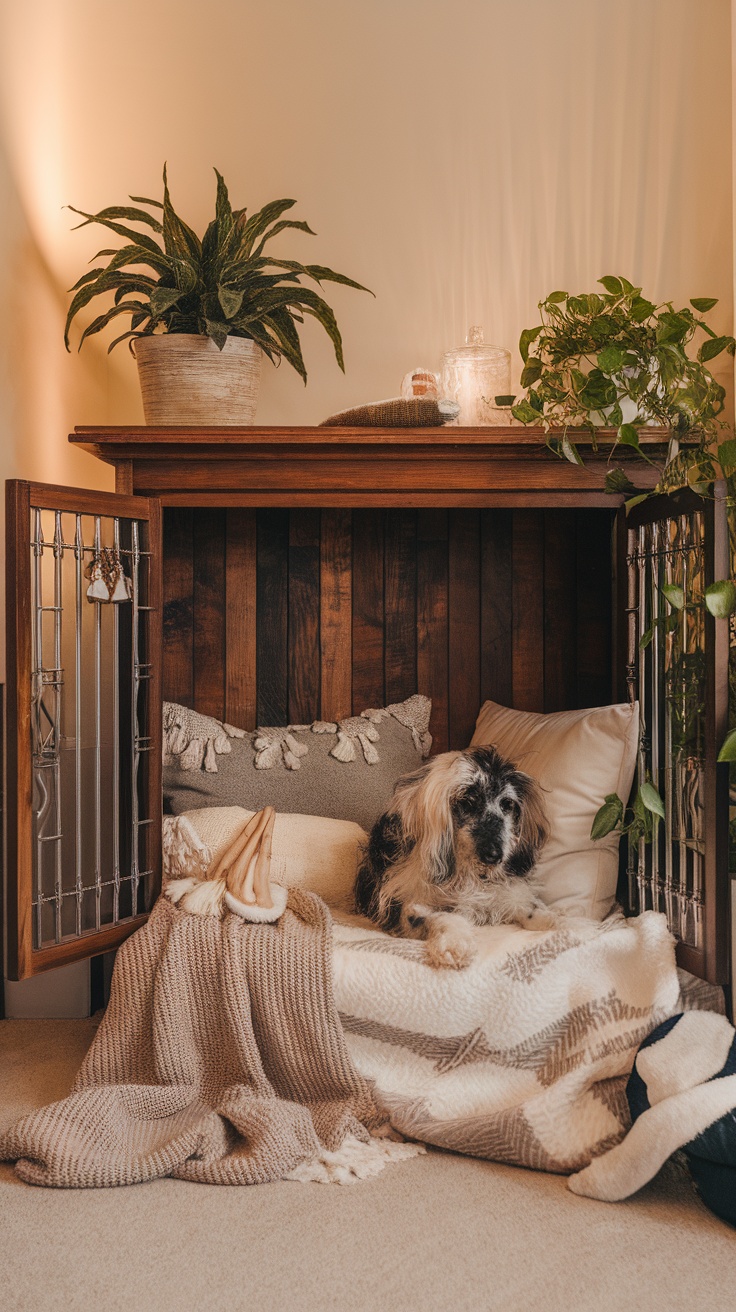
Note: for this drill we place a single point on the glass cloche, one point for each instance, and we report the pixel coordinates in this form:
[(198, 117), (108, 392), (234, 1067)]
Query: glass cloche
[(473, 376)]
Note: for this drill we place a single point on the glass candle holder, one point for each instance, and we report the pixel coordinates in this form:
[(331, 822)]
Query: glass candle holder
[(473, 376)]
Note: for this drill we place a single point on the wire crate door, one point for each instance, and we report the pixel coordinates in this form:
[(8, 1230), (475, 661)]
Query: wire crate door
[(678, 657), (84, 721)]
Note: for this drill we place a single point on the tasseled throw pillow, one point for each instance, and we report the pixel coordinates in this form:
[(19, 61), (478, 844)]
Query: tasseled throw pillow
[(345, 770)]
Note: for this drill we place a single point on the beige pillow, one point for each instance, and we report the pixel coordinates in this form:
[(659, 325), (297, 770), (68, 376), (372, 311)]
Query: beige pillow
[(308, 851), (578, 757)]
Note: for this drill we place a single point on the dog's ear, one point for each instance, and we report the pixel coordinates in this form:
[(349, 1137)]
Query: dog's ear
[(533, 825), (423, 800)]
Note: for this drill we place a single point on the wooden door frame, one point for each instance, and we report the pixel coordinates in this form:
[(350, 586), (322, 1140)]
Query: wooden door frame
[(23, 961)]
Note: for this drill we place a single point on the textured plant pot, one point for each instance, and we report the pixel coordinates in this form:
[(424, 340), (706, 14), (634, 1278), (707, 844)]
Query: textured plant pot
[(185, 379)]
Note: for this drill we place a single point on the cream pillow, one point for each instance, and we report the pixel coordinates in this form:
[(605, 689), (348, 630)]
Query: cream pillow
[(578, 757), (307, 852)]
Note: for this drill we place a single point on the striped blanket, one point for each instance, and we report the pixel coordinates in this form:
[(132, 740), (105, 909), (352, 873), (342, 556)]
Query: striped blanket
[(522, 1057)]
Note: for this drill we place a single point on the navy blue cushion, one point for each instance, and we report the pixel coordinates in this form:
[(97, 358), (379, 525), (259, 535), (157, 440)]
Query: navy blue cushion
[(711, 1156)]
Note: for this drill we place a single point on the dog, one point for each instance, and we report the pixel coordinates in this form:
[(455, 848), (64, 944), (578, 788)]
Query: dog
[(456, 848)]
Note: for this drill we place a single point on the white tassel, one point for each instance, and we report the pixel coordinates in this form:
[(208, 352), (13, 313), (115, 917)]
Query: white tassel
[(210, 757), (205, 898), (176, 889), (268, 753), (97, 590), (324, 726), (232, 732), (191, 758), (184, 853), (344, 749), (369, 751)]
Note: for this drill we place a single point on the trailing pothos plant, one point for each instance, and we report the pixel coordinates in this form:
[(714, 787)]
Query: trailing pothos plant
[(613, 359), (224, 284)]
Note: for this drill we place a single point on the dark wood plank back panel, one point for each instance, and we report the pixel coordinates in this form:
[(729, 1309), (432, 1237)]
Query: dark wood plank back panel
[(278, 616)]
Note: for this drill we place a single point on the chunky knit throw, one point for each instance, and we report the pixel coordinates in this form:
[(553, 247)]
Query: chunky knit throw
[(220, 1059)]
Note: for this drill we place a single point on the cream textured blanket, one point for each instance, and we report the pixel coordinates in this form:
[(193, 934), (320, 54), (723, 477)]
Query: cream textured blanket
[(220, 1059), (522, 1057)]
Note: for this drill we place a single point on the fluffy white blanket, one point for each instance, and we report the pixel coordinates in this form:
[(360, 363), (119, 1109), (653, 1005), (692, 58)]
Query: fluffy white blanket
[(522, 1057)]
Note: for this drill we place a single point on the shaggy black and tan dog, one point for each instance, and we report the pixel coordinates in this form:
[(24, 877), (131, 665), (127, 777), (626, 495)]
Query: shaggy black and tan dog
[(456, 848)]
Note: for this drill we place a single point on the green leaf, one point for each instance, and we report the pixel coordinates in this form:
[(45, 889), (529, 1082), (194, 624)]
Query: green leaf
[(318, 271), (218, 331), (127, 212), (611, 359), (720, 598), (570, 452), (528, 336), (703, 303), (525, 413), (636, 501), (556, 298), (146, 200), (606, 819), (179, 239), (628, 436), (103, 320), (651, 799), (503, 402), (646, 638), (230, 301), (727, 453), (259, 222), (135, 238), (674, 594), (612, 285), (728, 750), (617, 480), (531, 372), (163, 298), (299, 224), (641, 309), (714, 346)]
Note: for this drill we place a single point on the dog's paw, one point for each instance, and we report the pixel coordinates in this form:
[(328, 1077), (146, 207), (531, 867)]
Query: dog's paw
[(541, 919), (450, 948)]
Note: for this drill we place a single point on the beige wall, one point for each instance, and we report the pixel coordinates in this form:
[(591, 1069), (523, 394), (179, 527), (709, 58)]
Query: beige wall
[(461, 157)]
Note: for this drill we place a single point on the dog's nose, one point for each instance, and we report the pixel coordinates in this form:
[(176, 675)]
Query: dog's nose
[(490, 853)]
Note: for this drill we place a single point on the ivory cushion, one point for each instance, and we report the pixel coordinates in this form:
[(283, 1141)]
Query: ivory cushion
[(578, 757), (308, 851)]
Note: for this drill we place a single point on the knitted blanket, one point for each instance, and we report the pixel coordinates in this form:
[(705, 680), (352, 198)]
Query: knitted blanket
[(522, 1057), (220, 1059)]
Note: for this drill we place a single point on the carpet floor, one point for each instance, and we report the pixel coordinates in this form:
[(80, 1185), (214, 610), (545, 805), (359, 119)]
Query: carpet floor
[(436, 1233)]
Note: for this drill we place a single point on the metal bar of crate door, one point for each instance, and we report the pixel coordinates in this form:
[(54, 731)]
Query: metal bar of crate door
[(643, 702), (78, 559), (656, 719), (98, 745), (58, 621), (135, 752), (670, 569), (116, 745), (37, 693), (632, 681), (685, 928)]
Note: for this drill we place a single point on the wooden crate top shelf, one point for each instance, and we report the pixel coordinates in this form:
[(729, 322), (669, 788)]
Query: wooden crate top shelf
[(362, 466)]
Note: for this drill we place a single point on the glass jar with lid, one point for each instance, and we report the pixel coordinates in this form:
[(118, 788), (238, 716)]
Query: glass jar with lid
[(473, 376)]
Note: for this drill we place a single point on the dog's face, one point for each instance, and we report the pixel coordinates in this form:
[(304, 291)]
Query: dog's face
[(488, 808), (472, 809)]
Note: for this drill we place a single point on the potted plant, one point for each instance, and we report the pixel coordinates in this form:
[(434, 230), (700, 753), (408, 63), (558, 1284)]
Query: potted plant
[(202, 311), (614, 359)]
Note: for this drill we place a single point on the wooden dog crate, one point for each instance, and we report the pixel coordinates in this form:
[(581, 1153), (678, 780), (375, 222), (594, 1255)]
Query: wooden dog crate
[(283, 575)]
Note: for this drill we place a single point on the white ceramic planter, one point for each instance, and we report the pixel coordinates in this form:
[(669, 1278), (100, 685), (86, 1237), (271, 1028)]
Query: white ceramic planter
[(185, 379)]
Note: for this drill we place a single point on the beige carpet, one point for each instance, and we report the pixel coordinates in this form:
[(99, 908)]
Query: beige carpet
[(435, 1233)]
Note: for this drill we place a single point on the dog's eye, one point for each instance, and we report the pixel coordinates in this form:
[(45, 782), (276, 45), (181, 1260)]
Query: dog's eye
[(509, 806), (465, 804)]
